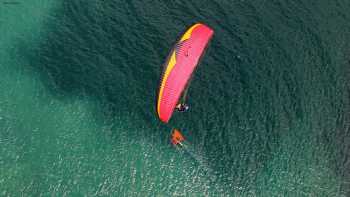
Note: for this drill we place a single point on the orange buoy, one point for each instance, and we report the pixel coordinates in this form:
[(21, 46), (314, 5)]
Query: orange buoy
[(177, 137)]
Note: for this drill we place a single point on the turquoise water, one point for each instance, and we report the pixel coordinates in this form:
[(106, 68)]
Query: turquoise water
[(269, 102)]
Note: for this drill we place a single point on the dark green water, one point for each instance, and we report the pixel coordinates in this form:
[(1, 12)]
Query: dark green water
[(269, 103)]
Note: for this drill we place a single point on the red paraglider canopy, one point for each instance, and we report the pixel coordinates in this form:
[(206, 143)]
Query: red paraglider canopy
[(179, 67)]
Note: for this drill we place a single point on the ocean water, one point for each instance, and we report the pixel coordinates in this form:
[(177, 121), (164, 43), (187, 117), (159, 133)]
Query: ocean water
[(269, 101)]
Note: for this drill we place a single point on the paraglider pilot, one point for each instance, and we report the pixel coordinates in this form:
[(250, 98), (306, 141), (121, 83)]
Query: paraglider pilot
[(182, 107)]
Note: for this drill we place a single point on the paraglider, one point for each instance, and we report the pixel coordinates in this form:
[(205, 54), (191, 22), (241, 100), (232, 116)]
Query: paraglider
[(179, 68)]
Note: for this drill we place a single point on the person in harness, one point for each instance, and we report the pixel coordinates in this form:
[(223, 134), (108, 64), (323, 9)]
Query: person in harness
[(182, 107)]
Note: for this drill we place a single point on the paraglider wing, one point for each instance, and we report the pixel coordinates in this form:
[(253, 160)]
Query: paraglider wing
[(179, 67)]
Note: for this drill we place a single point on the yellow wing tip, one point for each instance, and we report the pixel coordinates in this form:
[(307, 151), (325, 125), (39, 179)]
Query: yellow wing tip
[(169, 68), (188, 33)]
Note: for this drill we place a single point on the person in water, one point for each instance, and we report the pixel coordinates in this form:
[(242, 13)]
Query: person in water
[(182, 107)]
